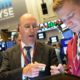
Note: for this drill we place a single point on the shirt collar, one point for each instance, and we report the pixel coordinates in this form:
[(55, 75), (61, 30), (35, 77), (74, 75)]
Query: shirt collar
[(23, 45)]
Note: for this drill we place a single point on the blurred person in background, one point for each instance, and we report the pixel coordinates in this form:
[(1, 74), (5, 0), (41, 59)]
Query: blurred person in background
[(17, 38), (69, 12), (57, 49)]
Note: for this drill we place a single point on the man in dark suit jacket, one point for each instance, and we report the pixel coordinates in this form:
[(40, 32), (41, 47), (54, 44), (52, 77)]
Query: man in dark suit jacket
[(43, 56)]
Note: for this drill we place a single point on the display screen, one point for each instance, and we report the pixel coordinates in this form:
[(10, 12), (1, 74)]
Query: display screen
[(2, 46), (41, 35), (54, 39), (63, 27), (9, 44), (46, 26), (68, 33), (64, 43), (44, 8)]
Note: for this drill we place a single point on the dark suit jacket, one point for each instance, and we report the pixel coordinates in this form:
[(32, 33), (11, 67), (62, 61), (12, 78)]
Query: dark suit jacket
[(1, 57), (11, 65)]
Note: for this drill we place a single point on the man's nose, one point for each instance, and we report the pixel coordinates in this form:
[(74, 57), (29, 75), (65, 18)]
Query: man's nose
[(31, 29)]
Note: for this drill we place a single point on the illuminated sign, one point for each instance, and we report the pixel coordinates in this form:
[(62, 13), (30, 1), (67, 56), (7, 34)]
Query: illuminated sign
[(51, 24), (47, 26), (6, 9)]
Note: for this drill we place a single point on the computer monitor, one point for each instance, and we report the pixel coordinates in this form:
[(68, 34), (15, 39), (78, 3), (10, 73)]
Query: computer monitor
[(41, 35), (54, 39)]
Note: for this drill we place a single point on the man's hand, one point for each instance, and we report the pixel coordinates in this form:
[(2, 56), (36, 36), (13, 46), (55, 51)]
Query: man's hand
[(33, 69), (57, 69)]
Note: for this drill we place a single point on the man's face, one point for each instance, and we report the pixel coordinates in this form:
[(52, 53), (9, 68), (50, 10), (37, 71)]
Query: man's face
[(70, 14), (28, 30)]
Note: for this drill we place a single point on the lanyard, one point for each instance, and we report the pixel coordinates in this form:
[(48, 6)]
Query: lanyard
[(24, 56)]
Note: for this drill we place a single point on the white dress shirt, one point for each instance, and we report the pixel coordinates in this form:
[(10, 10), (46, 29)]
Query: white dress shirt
[(25, 53)]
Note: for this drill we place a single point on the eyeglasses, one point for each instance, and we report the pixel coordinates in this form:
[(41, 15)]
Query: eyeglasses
[(28, 26)]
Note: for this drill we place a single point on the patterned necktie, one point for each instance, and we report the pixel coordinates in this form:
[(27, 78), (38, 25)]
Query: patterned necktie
[(28, 56)]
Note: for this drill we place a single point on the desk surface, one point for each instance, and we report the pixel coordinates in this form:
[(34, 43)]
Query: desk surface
[(60, 77)]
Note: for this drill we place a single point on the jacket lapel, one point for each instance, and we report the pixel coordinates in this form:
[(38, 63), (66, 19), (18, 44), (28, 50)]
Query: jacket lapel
[(18, 57), (38, 52)]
